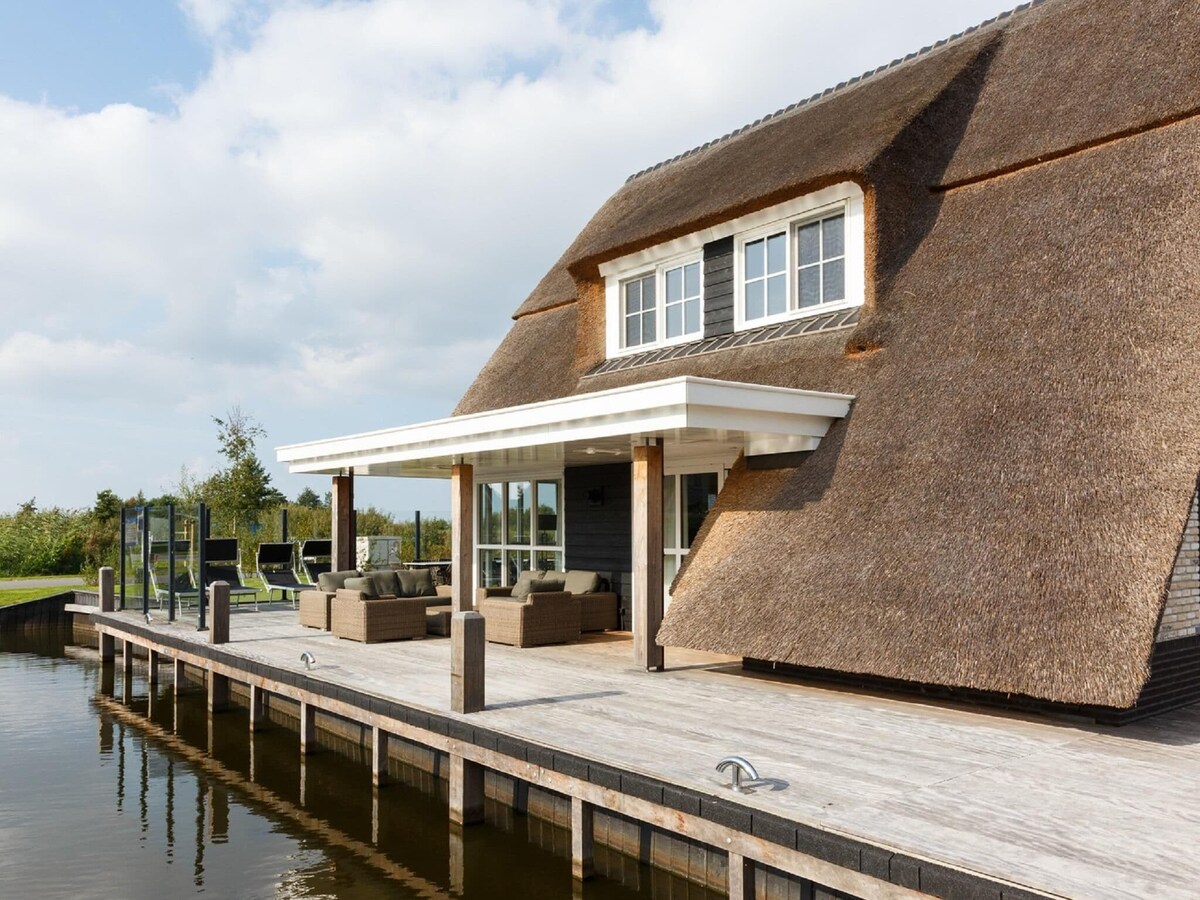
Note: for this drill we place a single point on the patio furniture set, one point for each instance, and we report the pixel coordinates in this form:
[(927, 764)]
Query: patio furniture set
[(544, 607)]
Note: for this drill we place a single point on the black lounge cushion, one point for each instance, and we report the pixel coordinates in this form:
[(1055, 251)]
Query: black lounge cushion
[(364, 585), (386, 583)]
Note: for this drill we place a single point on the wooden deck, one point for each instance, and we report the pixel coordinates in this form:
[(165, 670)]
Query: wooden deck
[(1067, 809)]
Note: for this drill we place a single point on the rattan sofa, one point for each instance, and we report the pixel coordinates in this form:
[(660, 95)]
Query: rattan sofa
[(598, 607), (316, 606)]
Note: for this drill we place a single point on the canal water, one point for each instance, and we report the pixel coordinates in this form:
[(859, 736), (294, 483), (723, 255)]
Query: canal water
[(109, 790)]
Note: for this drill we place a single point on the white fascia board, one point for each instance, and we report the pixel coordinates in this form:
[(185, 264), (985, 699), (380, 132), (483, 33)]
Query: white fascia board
[(658, 406)]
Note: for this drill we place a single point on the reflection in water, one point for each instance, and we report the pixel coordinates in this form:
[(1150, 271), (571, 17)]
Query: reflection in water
[(267, 822)]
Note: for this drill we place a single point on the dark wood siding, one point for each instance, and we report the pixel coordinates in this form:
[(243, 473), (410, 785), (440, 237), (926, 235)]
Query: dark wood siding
[(718, 287), (597, 503)]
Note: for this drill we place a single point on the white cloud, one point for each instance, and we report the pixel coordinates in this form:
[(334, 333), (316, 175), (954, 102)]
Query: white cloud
[(333, 227)]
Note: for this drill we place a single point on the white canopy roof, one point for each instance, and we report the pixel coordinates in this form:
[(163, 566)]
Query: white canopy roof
[(694, 417)]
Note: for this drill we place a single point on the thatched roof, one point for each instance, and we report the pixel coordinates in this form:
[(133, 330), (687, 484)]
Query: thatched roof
[(1002, 508)]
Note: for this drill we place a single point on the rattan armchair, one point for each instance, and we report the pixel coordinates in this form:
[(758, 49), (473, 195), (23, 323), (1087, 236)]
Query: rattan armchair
[(545, 618), (356, 618)]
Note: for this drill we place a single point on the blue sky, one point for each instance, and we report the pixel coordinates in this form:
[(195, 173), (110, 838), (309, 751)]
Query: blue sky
[(326, 212)]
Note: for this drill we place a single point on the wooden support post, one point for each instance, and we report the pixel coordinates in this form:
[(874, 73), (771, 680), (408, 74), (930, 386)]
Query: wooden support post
[(257, 708), (466, 662), (108, 602), (179, 676), (308, 728), (647, 554), (466, 791), (303, 781), (127, 661), (457, 859), (375, 815), (379, 756), (218, 612), (153, 663), (582, 840), (218, 692), (342, 512), (462, 523), (741, 877)]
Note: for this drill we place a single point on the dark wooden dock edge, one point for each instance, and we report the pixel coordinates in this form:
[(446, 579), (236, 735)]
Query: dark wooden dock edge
[(844, 852), (41, 611)]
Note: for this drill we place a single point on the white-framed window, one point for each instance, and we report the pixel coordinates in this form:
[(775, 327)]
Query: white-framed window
[(662, 306), (519, 527), (792, 267), (799, 258)]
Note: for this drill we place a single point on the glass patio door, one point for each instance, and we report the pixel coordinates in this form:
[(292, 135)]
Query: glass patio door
[(687, 498)]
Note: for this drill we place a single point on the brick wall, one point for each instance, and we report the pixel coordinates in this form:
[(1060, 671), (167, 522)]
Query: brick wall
[(1181, 618)]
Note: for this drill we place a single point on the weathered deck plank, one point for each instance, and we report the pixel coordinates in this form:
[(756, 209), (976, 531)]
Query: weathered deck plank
[(1072, 809)]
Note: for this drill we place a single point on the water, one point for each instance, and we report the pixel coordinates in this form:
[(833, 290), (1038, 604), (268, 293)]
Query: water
[(113, 792)]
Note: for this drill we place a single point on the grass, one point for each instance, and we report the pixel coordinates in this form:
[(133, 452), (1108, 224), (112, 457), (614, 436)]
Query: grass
[(18, 595)]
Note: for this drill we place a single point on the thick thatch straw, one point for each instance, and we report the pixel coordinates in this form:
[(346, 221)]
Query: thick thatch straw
[(1002, 508)]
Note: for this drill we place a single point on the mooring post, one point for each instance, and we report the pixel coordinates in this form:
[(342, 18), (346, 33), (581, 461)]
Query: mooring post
[(108, 603), (582, 839), (466, 662), (218, 692), (308, 728), (257, 708), (379, 756), (741, 877), (466, 791), (218, 601)]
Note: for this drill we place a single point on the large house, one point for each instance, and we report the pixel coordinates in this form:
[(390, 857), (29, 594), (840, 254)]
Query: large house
[(900, 384)]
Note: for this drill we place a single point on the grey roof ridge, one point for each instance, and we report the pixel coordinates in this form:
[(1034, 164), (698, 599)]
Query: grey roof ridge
[(851, 82)]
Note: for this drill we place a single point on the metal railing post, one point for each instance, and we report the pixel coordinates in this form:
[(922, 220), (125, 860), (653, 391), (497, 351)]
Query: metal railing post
[(202, 575), (170, 562), (145, 560), (121, 551)]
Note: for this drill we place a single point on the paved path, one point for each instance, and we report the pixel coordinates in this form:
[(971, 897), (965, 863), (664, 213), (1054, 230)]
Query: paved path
[(20, 584)]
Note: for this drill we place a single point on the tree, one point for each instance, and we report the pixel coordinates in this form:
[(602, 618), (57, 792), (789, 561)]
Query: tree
[(108, 505), (309, 499), (28, 508), (242, 489)]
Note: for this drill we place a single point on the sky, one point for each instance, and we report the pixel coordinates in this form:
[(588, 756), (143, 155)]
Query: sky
[(325, 213)]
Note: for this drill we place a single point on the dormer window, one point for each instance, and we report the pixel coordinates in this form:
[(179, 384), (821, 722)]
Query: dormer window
[(662, 306), (804, 257), (789, 268)]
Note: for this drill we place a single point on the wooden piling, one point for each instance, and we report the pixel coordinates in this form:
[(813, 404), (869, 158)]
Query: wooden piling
[(741, 877), (466, 791), (179, 675), (582, 839), (257, 708), (153, 660), (308, 728), (218, 692), (127, 662), (467, 662), (379, 756), (218, 612)]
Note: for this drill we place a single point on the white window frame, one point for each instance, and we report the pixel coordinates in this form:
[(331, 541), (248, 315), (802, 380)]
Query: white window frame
[(616, 305), (790, 226), (792, 212), (504, 546)]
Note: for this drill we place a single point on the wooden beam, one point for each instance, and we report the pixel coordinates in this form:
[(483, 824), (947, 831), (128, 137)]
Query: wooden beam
[(462, 522), (342, 511), (647, 554)]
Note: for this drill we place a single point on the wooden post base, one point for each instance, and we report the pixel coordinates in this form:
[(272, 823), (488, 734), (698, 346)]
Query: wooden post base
[(466, 791), (466, 662)]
